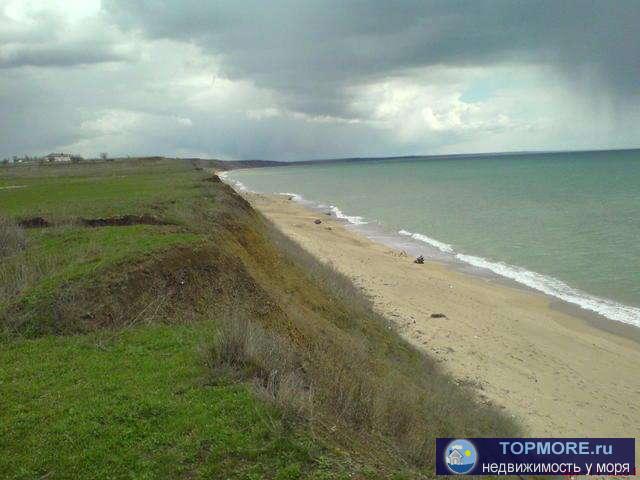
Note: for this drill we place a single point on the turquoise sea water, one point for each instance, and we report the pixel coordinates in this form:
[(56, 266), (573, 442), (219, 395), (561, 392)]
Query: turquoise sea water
[(567, 224)]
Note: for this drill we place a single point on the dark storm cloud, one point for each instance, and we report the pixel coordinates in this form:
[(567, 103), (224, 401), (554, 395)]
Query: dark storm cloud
[(58, 56), (309, 79), (311, 52)]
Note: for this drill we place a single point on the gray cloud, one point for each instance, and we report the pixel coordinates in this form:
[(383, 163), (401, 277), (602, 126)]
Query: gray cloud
[(294, 80), (48, 40), (64, 55), (311, 52)]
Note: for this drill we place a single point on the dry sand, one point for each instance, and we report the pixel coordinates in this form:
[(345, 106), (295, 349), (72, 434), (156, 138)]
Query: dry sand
[(558, 373)]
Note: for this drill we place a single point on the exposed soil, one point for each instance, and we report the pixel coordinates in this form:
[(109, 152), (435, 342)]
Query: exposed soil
[(122, 221), (33, 222), (213, 179), (176, 286)]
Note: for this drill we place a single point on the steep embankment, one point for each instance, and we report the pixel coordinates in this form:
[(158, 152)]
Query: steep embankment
[(200, 343)]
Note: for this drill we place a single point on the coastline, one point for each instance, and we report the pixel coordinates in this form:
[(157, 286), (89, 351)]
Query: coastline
[(564, 295), (545, 362)]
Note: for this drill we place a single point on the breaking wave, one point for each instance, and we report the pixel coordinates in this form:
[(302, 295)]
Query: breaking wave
[(353, 219), (443, 247), (559, 289), (542, 283)]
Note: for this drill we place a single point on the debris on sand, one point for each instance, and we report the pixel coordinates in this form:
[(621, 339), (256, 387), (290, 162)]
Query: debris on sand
[(438, 315), (419, 260), (317, 221)]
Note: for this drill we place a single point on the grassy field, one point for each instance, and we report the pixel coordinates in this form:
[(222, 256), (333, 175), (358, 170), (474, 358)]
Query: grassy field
[(139, 406), (155, 326)]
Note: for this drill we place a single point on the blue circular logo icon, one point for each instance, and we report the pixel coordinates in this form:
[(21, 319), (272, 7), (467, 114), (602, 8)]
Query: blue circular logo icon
[(460, 456)]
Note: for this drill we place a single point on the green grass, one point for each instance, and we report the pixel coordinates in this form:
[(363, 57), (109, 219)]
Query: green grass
[(135, 402), (81, 252), (66, 255), (139, 406), (56, 193), (114, 352)]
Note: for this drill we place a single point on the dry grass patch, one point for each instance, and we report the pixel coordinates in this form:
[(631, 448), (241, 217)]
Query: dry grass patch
[(344, 385), (345, 366), (244, 350), (12, 238)]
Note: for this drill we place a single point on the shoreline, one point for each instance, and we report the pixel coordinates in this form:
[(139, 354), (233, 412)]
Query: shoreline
[(549, 363), (595, 319), (435, 254), (416, 247), (587, 306)]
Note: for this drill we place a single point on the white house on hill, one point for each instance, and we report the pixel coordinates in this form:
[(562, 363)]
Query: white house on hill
[(59, 157)]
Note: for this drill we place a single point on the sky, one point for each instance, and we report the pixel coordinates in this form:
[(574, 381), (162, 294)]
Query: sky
[(296, 80)]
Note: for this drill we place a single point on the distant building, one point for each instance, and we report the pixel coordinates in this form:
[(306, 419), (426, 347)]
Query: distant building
[(58, 157), (61, 157)]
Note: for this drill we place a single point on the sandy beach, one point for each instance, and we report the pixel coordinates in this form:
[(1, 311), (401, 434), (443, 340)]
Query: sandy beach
[(558, 372)]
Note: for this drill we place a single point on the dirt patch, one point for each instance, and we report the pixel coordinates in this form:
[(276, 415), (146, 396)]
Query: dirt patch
[(33, 222), (180, 285), (122, 221)]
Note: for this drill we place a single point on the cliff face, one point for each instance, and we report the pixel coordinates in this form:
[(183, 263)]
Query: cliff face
[(210, 300)]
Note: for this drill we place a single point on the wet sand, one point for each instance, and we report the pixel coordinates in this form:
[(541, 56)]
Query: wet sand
[(557, 372)]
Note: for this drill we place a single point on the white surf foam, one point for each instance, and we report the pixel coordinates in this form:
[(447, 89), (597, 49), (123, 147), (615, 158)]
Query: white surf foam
[(353, 219), (236, 184), (559, 289), (443, 247), (545, 284), (241, 186), (294, 196)]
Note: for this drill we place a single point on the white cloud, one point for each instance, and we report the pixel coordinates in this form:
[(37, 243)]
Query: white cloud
[(416, 110), (111, 122), (27, 10), (262, 113)]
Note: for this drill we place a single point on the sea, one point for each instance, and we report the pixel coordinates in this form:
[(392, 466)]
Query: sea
[(564, 223)]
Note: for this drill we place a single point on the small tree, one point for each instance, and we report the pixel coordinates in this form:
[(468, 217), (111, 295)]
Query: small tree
[(104, 156)]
